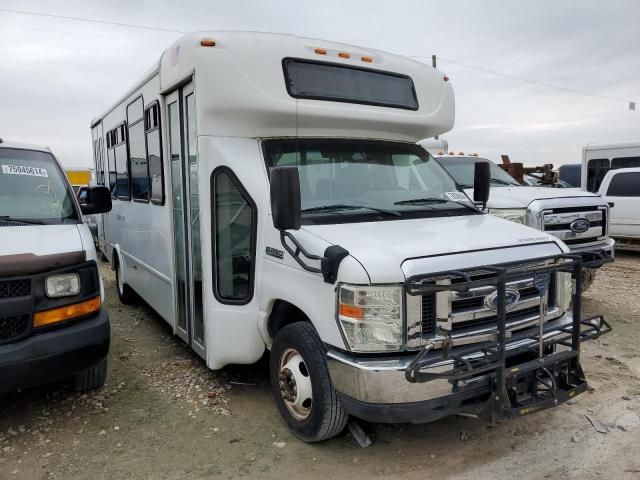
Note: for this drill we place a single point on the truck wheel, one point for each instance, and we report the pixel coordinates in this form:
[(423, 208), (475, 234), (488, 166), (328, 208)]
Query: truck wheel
[(588, 276), (91, 378), (125, 292), (301, 385)]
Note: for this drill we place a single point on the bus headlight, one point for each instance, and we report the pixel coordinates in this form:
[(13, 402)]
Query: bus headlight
[(66, 285), (518, 215), (371, 317)]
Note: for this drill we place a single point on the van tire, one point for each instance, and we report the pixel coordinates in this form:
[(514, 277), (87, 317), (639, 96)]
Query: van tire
[(588, 276), (327, 417), (125, 293), (91, 378)]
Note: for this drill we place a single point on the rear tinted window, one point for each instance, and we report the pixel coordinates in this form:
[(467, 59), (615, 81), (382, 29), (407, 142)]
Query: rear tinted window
[(625, 185), (340, 83)]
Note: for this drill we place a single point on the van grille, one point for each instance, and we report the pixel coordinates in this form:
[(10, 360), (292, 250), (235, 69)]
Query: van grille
[(14, 327), (15, 288), (558, 222)]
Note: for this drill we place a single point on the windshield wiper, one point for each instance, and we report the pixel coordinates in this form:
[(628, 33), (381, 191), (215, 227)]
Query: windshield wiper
[(27, 221), (330, 208), (428, 200)]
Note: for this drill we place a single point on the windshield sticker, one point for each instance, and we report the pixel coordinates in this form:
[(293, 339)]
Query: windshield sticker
[(22, 170), (457, 196)]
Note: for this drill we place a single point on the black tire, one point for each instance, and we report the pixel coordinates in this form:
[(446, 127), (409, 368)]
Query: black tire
[(588, 276), (91, 378), (125, 293), (102, 256), (327, 417)]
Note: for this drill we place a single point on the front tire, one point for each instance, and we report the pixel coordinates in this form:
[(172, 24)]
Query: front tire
[(301, 384), (91, 378), (588, 276)]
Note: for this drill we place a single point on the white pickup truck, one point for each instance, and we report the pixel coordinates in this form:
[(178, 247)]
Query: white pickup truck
[(580, 219), (621, 188)]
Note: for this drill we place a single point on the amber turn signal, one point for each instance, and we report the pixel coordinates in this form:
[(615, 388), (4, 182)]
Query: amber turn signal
[(351, 311), (68, 312)]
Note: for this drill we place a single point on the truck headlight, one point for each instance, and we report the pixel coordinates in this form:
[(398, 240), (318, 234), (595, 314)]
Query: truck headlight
[(65, 285), (518, 215), (371, 317)]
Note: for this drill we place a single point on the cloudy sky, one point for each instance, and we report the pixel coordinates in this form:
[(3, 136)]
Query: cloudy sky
[(57, 74)]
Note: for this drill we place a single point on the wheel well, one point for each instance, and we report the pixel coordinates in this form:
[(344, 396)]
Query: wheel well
[(282, 314)]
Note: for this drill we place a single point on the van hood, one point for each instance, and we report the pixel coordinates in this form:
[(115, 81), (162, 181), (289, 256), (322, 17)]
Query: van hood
[(39, 240), (382, 247), (521, 197)]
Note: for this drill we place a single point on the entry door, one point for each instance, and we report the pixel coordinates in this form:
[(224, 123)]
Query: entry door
[(185, 200)]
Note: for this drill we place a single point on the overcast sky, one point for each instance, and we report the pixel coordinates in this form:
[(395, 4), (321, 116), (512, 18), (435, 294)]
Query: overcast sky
[(56, 75)]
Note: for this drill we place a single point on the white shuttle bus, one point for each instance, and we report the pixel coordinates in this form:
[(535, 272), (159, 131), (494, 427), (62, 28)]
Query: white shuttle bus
[(268, 194)]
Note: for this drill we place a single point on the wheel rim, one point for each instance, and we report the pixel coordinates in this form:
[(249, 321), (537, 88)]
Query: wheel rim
[(294, 383)]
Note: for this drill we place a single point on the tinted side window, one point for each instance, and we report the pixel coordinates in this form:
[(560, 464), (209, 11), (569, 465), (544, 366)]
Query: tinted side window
[(122, 172), (154, 153), (625, 185), (138, 161), (111, 156), (625, 162), (596, 169), (234, 223)]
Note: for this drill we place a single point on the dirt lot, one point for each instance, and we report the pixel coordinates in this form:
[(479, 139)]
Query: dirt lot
[(164, 415)]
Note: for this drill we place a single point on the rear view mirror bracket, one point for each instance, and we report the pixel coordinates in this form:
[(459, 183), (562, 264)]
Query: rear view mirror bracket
[(329, 262)]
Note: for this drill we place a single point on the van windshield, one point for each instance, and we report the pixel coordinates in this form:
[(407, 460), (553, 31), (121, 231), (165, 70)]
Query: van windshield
[(354, 177), (33, 189), (462, 169)]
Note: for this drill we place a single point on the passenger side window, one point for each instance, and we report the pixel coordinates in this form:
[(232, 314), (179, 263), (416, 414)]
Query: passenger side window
[(625, 185), (111, 158), (138, 165), (122, 169), (625, 162), (154, 152), (234, 227), (596, 169)]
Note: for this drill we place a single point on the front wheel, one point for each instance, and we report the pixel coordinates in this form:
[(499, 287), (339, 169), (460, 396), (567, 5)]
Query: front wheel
[(301, 384), (588, 276), (125, 293)]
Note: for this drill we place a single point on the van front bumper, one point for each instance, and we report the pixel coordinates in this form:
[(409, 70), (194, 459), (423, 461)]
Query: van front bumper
[(377, 390), (55, 354)]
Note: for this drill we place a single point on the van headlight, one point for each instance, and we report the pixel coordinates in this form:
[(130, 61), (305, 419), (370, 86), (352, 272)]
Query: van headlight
[(518, 215), (371, 317), (65, 285)]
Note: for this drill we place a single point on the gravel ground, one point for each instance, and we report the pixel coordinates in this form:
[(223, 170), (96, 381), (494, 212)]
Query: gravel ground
[(164, 415)]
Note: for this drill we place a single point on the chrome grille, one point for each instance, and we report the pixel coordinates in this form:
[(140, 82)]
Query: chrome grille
[(450, 313), (558, 222)]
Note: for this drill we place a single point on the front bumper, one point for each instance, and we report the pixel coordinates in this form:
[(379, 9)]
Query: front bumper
[(54, 355), (377, 390), (605, 248)]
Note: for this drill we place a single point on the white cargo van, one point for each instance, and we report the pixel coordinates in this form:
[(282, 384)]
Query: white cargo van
[(599, 158), (268, 193), (580, 219), (52, 323)]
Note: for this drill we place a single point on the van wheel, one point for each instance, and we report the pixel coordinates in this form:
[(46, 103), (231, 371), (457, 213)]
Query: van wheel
[(588, 276), (125, 292), (91, 378), (301, 384)]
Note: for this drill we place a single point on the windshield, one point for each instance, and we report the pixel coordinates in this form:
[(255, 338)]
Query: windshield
[(355, 177), (462, 169), (33, 189)]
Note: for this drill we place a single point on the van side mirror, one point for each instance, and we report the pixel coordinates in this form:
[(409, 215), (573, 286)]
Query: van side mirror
[(98, 201), (285, 198), (481, 183)]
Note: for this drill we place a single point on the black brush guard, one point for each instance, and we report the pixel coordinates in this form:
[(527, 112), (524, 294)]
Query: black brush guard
[(547, 380)]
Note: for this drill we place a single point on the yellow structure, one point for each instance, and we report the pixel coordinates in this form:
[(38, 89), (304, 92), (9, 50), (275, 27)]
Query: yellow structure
[(79, 177)]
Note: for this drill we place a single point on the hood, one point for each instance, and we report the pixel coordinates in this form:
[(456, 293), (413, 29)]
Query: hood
[(521, 197), (382, 247), (40, 240)]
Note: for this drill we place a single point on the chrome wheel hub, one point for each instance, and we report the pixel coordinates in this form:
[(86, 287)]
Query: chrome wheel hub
[(294, 383)]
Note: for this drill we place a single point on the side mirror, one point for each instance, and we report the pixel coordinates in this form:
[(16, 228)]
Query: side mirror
[(98, 201), (481, 183), (285, 198)]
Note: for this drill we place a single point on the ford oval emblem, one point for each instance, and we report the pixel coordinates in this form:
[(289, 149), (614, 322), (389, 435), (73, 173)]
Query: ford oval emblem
[(511, 298), (580, 225)]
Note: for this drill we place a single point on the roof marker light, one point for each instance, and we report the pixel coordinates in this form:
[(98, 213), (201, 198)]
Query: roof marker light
[(460, 153), (367, 59), (321, 51), (452, 153), (344, 55), (446, 78), (207, 42)]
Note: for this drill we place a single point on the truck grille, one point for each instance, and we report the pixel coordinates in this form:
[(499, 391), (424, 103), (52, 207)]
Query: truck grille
[(15, 288), (466, 313), (14, 327), (558, 222)]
